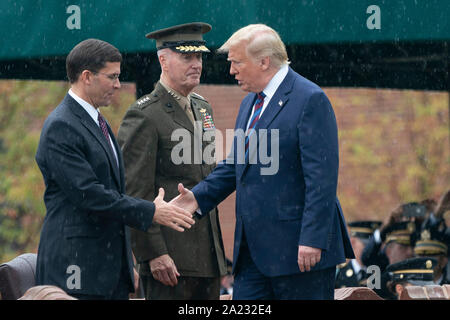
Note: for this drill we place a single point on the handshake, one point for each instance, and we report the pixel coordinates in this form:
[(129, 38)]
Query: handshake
[(176, 214)]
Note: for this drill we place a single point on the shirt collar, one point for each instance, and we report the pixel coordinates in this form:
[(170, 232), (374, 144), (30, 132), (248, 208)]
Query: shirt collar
[(356, 266), (86, 106), (275, 82)]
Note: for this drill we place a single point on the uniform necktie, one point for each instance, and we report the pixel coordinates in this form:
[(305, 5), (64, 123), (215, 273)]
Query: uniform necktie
[(189, 113), (256, 113)]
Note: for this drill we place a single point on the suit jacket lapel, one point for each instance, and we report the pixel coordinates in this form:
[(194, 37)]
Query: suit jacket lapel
[(242, 125), (121, 170), (246, 112), (117, 165), (277, 102), (95, 130)]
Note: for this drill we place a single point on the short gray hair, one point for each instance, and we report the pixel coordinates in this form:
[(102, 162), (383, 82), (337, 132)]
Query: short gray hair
[(261, 41)]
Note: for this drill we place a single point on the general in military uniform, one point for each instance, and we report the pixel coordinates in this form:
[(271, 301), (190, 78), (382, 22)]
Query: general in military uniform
[(187, 265)]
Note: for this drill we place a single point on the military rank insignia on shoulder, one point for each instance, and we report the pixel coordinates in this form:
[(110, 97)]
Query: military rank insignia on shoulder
[(143, 101), (196, 95)]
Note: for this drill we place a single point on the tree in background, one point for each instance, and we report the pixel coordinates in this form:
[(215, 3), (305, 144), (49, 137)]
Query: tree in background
[(394, 150)]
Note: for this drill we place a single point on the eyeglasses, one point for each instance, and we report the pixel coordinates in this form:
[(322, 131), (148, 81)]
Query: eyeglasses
[(112, 77)]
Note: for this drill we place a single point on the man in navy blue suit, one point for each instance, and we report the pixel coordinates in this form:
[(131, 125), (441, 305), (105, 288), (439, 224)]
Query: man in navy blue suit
[(290, 231), (84, 246)]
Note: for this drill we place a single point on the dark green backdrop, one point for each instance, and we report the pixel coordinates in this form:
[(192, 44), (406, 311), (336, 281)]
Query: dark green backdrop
[(328, 41)]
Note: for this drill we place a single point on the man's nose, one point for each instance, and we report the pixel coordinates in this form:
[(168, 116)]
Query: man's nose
[(117, 84), (197, 64), (232, 70)]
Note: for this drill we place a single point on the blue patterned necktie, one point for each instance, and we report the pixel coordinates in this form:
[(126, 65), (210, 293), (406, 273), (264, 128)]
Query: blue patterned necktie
[(256, 113)]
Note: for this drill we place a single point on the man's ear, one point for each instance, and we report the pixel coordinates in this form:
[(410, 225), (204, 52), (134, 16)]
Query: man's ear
[(163, 61), (86, 77), (265, 63)]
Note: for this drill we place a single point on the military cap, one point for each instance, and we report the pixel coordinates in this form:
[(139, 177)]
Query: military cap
[(433, 240), (414, 209), (401, 232), (184, 38), (363, 229), (417, 271)]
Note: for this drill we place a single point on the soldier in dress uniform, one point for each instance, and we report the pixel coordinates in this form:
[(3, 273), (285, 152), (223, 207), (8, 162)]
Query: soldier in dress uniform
[(394, 240), (433, 242), (417, 271), (188, 265), (353, 272), (395, 244), (435, 238)]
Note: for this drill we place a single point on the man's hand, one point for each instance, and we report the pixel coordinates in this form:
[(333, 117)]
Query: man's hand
[(171, 215), (308, 257), (164, 270), (185, 199)]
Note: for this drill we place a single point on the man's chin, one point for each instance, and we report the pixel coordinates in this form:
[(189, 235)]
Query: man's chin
[(243, 87), (105, 103)]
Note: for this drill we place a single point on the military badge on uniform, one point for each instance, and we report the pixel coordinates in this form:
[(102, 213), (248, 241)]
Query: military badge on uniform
[(143, 100), (208, 122)]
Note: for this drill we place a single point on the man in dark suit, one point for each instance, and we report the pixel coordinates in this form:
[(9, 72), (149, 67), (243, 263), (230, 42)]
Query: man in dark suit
[(173, 265), (84, 247), (290, 231)]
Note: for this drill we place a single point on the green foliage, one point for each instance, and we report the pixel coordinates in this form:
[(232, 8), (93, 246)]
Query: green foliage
[(23, 108), (394, 155)]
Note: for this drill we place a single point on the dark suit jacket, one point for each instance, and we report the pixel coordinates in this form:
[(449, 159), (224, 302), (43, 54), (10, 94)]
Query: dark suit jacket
[(87, 210), (297, 205), (145, 137)]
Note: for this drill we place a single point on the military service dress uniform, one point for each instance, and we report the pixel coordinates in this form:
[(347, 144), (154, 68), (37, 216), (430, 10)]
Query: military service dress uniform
[(145, 136)]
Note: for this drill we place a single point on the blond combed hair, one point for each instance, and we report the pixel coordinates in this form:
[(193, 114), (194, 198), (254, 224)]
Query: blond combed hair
[(261, 41)]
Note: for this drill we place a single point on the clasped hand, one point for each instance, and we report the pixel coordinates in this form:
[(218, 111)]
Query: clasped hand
[(171, 214)]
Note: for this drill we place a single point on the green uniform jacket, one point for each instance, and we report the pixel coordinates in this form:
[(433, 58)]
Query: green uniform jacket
[(145, 138)]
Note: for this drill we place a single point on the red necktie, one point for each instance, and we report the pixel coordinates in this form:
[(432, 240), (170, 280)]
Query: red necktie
[(104, 128), (256, 113)]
